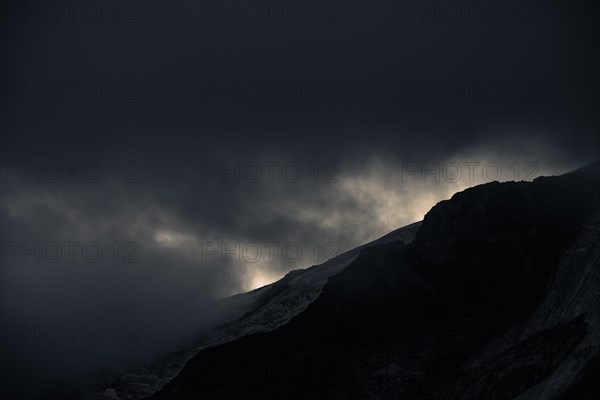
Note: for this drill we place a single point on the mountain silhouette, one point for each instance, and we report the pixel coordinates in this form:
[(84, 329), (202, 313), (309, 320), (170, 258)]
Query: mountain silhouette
[(497, 297)]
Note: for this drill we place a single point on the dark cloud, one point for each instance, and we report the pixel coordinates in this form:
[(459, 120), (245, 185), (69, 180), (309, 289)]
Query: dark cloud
[(376, 103)]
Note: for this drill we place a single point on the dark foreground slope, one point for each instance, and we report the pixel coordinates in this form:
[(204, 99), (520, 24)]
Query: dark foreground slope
[(496, 298)]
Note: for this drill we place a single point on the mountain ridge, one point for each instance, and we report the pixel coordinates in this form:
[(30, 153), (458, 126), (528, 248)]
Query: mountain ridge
[(511, 247)]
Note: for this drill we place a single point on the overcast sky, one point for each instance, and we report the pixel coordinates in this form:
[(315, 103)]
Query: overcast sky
[(207, 148)]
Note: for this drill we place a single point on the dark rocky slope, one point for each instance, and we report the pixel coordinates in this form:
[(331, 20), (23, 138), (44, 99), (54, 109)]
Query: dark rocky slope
[(498, 297), (260, 310)]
